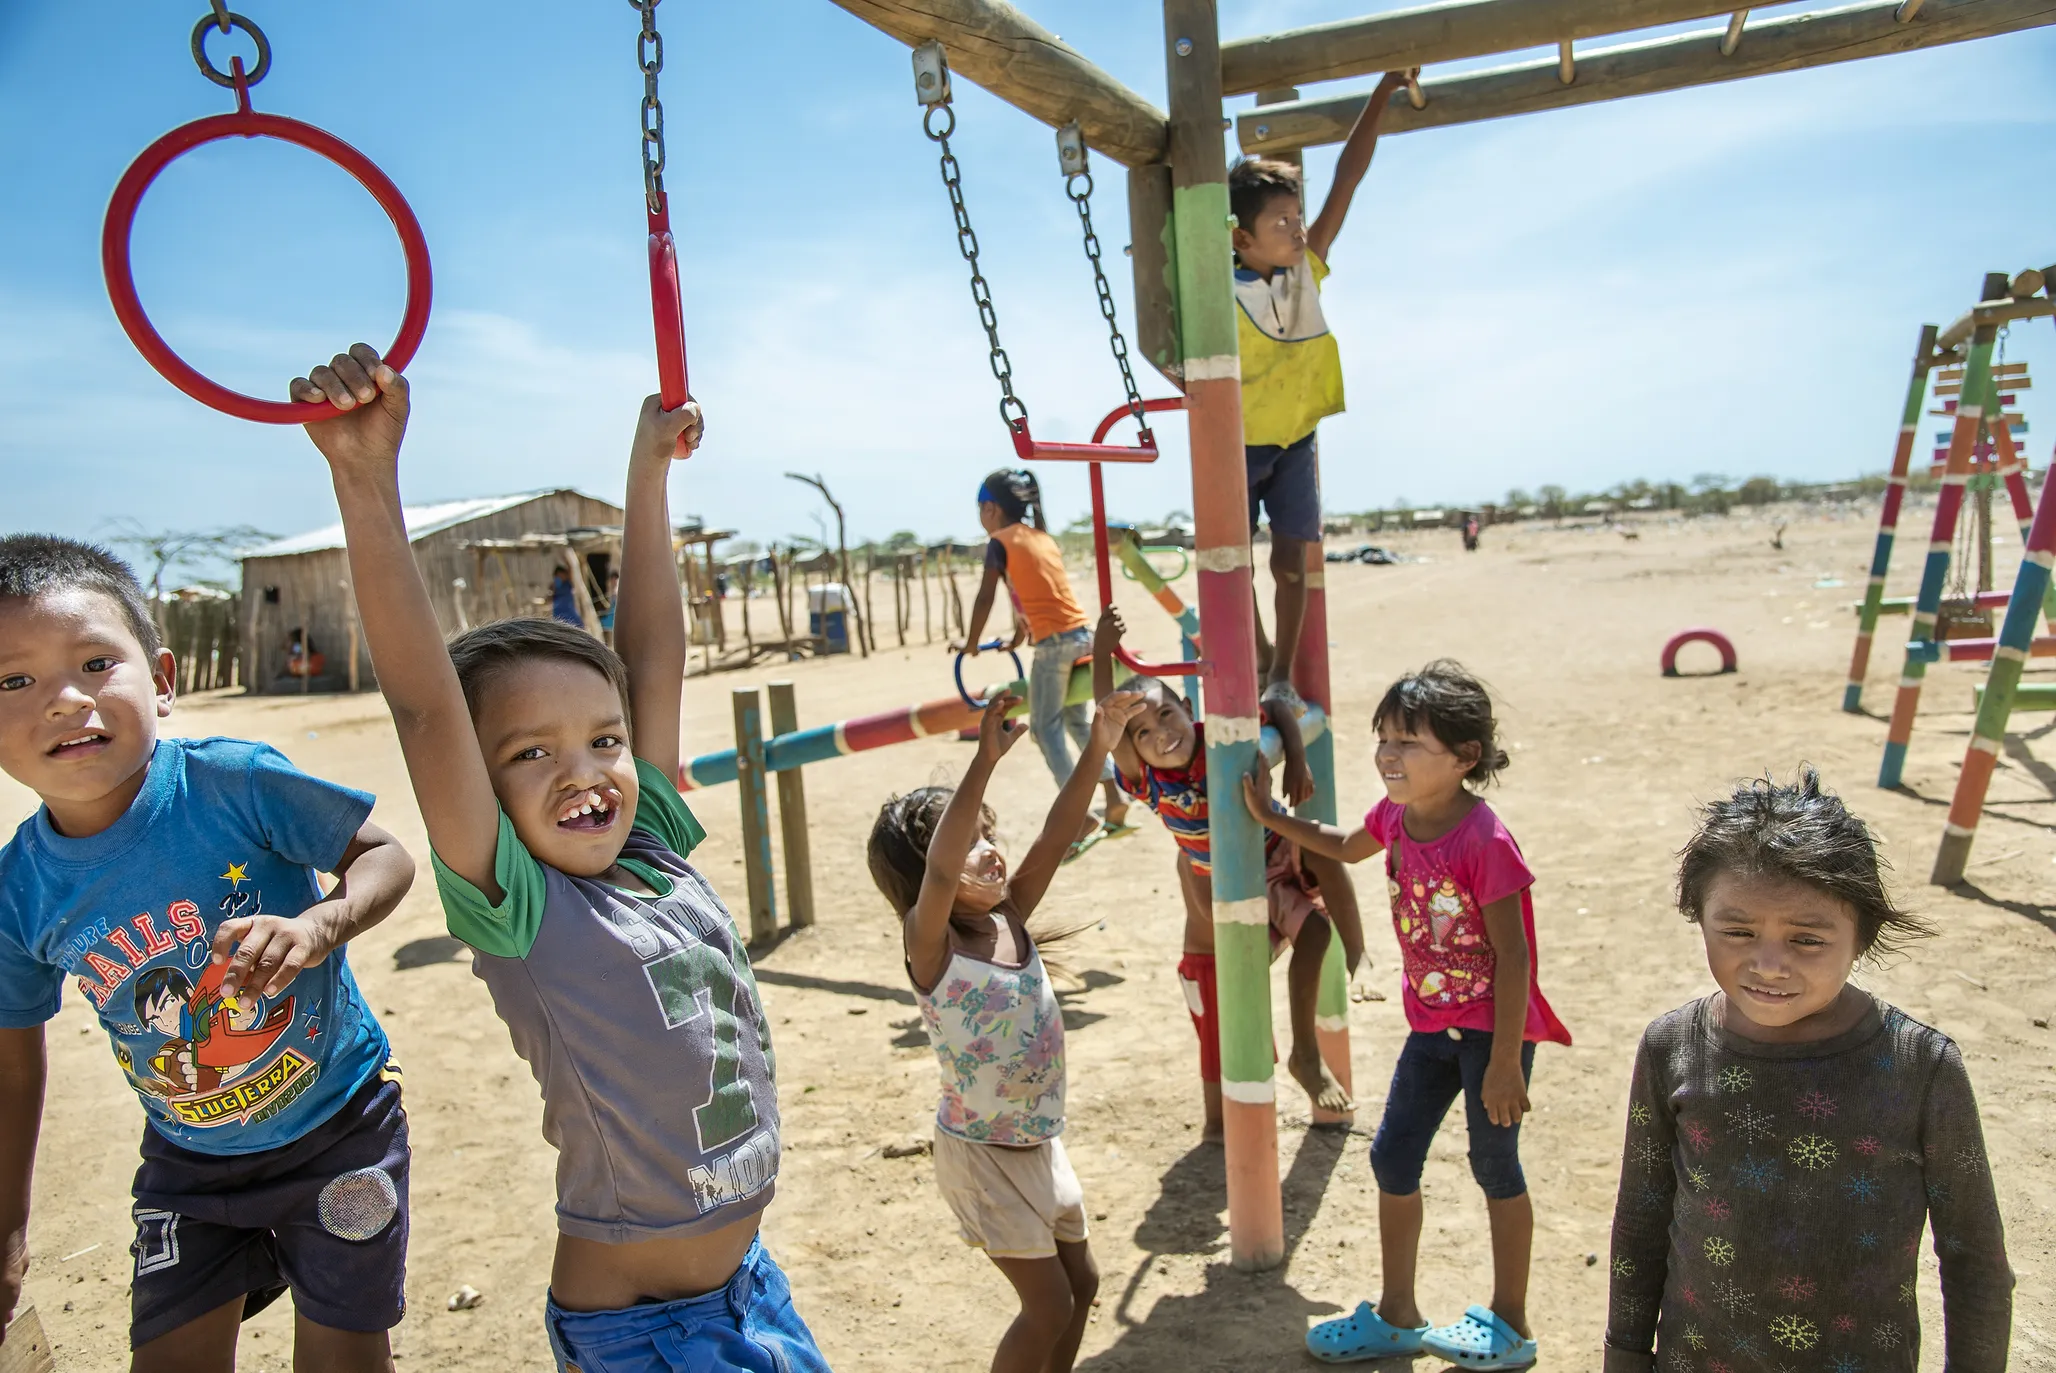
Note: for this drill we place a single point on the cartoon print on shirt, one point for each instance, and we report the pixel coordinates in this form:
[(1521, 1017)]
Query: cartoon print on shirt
[(211, 1039), (1442, 937)]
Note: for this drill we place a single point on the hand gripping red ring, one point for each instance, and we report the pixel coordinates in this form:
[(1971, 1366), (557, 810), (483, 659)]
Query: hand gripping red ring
[(121, 282)]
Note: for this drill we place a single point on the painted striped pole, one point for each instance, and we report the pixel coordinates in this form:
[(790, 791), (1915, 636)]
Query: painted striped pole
[(2016, 637), (2013, 469), (1129, 549), (1310, 675), (1220, 502), (1888, 518), (1948, 504)]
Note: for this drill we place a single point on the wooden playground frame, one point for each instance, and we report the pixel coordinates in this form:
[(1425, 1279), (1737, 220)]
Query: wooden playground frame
[(1185, 325)]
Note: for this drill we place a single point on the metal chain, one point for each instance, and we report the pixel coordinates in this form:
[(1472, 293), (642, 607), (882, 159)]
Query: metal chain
[(1078, 186), (649, 55), (1011, 408)]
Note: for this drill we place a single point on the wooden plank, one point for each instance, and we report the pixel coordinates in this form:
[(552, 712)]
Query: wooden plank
[(792, 809), (2006, 311), (1450, 32), (27, 1349), (1009, 54), (1785, 43), (1154, 260)]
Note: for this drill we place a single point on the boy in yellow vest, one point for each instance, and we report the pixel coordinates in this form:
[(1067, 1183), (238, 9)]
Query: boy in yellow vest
[(1291, 368)]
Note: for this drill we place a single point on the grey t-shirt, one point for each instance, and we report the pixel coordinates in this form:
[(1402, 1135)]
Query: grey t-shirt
[(640, 1019), (1773, 1196)]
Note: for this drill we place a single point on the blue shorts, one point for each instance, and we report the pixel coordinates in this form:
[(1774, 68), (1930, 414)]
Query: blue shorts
[(749, 1326), (1286, 481), (324, 1216), (1433, 1071)]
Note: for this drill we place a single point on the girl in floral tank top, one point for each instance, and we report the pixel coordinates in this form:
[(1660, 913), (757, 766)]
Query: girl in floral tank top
[(1465, 918), (996, 1028)]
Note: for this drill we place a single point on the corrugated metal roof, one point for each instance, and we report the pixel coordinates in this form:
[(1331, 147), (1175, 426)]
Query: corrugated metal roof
[(422, 520)]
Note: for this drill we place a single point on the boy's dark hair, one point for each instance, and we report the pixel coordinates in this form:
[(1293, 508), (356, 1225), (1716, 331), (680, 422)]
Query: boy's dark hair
[(1017, 494), (1454, 707), (483, 653), (898, 850), (1796, 833), (31, 564), (1252, 184), (157, 983)]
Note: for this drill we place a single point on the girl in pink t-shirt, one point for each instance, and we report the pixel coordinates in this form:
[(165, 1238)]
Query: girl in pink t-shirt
[(1465, 919)]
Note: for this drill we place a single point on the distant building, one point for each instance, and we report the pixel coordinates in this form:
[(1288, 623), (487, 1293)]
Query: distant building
[(299, 587)]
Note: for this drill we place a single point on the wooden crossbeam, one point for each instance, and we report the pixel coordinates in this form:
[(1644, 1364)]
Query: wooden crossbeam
[(998, 47), (1448, 32), (1996, 312), (1784, 43)]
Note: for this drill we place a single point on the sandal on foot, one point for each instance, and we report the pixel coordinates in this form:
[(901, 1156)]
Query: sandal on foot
[(1363, 1334), (1480, 1340)]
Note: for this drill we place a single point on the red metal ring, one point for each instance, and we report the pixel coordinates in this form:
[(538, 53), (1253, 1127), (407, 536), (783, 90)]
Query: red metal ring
[(121, 282)]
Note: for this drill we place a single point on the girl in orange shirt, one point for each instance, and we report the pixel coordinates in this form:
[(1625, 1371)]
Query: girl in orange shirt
[(1046, 614)]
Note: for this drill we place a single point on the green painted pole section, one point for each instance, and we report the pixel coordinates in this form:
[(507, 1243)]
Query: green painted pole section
[(1888, 517), (2026, 696)]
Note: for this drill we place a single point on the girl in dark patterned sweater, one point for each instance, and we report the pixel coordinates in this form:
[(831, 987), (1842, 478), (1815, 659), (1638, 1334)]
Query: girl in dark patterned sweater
[(1790, 1135)]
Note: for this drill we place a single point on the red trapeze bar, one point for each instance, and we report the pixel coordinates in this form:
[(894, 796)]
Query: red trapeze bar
[(1029, 448), (668, 312), (1198, 668), (244, 123)]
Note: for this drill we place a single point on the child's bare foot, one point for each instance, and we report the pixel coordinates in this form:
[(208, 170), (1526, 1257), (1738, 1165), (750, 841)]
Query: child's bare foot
[(1319, 1084)]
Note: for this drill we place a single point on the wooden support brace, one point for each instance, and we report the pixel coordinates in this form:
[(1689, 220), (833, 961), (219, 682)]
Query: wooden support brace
[(756, 816), (1787, 43), (792, 812), (1003, 50)]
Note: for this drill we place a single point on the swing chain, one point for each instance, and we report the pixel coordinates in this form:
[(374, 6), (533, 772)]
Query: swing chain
[(1078, 185), (219, 18), (1012, 409), (649, 55)]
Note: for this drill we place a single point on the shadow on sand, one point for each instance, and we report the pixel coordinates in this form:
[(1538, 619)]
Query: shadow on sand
[(1242, 1321)]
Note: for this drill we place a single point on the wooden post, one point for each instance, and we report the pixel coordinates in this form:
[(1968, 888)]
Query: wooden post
[(927, 618), (1213, 388), (756, 815), (792, 816), (306, 657), (1948, 506), (1310, 676), (28, 1349), (1888, 517), (1153, 259)]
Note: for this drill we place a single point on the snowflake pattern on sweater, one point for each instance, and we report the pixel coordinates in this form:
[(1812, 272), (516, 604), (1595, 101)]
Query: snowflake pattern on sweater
[(1773, 1198)]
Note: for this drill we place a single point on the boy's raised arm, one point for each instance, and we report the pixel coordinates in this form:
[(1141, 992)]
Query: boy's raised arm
[(22, 1069), (649, 617), (1350, 167), (362, 445)]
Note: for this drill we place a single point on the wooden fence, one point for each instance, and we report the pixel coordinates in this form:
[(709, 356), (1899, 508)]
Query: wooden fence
[(203, 636)]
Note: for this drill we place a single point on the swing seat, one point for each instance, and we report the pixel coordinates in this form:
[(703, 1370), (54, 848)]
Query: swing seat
[(1029, 448)]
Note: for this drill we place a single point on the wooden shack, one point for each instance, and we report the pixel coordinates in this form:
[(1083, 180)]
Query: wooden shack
[(300, 586)]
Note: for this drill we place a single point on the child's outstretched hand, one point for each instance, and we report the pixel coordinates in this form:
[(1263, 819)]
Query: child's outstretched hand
[(996, 732), (1256, 790), (373, 399), (1109, 630), (661, 435), (1504, 1092), (1110, 723)]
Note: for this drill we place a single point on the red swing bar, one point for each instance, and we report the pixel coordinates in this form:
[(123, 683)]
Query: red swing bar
[(1101, 554), (667, 309)]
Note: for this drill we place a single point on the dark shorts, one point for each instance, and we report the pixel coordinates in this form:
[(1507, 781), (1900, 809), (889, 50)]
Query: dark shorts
[(1433, 1071), (324, 1217), (1285, 481), (748, 1326)]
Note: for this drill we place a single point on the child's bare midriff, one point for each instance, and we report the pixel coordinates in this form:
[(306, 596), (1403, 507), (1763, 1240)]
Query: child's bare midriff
[(590, 1276)]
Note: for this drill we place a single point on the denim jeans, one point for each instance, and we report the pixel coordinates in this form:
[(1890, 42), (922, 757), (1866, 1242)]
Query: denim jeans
[(1433, 1071), (748, 1326), (1049, 720)]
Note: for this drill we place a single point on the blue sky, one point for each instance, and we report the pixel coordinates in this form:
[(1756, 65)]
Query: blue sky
[(1728, 279)]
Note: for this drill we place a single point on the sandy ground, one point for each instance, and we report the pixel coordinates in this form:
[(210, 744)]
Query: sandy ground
[(1610, 759)]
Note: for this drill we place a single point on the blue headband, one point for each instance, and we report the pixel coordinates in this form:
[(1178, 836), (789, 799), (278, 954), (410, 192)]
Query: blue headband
[(985, 494)]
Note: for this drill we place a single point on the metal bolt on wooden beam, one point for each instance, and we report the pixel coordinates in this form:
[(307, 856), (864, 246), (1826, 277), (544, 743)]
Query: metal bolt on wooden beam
[(1566, 64), (1907, 9), (1415, 96), (1732, 39)]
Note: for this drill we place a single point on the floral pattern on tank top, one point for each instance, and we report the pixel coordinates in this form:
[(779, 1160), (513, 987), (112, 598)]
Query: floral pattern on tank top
[(998, 1036)]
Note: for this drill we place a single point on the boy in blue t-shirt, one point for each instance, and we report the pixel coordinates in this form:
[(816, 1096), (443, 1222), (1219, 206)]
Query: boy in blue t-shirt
[(174, 879)]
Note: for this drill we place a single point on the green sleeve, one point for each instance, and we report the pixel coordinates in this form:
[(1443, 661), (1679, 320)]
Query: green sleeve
[(507, 930), (663, 812)]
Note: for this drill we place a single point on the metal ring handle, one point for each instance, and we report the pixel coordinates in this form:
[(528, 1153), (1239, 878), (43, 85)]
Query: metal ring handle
[(973, 701), (120, 224), (208, 24)]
